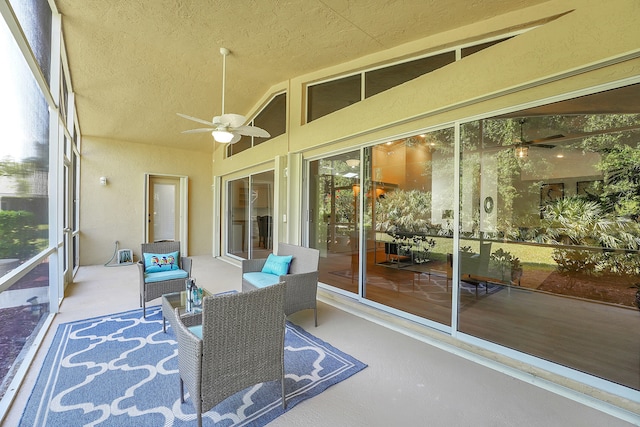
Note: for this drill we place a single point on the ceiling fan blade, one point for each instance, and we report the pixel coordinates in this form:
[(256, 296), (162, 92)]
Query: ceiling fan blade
[(236, 138), (252, 131), (546, 138), (543, 145), (539, 142), (232, 120), (200, 130), (195, 119)]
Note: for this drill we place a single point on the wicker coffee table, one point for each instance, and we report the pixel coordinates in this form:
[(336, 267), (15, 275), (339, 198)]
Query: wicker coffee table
[(178, 300)]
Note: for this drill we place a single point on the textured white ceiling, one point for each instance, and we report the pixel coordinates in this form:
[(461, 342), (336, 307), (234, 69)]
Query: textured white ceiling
[(135, 64)]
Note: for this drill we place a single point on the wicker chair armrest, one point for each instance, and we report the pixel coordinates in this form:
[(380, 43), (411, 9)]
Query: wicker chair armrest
[(185, 264), (189, 360), (141, 275), (252, 265), (300, 279), (302, 289)]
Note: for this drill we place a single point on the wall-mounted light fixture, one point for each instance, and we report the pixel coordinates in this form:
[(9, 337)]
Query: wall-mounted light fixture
[(103, 180)]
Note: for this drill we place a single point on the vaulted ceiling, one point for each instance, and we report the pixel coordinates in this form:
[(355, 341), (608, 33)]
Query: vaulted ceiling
[(135, 64)]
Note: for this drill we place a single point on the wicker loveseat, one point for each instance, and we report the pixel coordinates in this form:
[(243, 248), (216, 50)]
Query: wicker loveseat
[(168, 276), (301, 277)]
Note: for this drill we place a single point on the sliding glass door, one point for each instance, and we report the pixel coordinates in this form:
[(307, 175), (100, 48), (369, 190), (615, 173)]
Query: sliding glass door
[(537, 249), (409, 198), (550, 232), (250, 216), (334, 218)]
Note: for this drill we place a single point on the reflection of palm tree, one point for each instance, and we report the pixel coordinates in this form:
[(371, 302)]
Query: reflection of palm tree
[(576, 221)]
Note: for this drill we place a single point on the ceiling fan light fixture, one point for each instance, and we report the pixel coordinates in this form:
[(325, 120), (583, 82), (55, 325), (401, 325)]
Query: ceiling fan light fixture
[(222, 136)]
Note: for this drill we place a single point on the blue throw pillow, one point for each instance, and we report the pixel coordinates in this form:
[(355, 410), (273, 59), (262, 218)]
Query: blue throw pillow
[(278, 265), (154, 263)]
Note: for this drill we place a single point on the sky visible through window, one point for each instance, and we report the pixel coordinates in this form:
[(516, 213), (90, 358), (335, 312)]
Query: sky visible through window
[(13, 75)]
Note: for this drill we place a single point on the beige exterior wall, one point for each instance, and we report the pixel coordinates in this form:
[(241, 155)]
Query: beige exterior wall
[(116, 211)]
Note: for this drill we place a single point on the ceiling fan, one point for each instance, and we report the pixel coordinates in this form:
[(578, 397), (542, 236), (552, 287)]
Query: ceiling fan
[(226, 128), (535, 142)]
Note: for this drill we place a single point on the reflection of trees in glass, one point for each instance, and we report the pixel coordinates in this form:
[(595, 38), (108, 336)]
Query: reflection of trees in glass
[(614, 137), (577, 221), (606, 216), (345, 206), (23, 172), (409, 209), (18, 234), (336, 200), (404, 210)]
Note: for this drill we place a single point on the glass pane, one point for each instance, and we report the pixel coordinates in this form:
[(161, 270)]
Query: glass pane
[(239, 147), (164, 212), (34, 17), (550, 233), (334, 192), (24, 305), (377, 81), (261, 214), (409, 254), (325, 98), (64, 99), (477, 48), (24, 158), (237, 231), (273, 118)]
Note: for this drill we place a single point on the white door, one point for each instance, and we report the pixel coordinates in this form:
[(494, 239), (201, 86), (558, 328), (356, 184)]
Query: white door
[(166, 210)]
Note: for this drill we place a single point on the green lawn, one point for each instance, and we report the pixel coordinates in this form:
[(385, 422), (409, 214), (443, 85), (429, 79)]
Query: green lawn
[(527, 253)]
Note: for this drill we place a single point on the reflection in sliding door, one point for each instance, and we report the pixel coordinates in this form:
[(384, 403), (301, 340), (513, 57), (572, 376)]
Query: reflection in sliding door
[(412, 191), (250, 227), (261, 214), (334, 208), (238, 236)]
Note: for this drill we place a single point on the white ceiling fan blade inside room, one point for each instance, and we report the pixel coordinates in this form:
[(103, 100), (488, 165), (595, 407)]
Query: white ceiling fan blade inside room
[(200, 130), (251, 131), (195, 119)]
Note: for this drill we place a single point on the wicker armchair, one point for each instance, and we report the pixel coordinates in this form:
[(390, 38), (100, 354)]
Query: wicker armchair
[(150, 288), (302, 280), (241, 344)]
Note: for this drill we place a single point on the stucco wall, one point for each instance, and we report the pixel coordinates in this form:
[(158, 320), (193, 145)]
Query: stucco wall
[(115, 212)]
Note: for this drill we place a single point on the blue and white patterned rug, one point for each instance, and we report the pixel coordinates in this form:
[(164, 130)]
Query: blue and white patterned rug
[(122, 370)]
